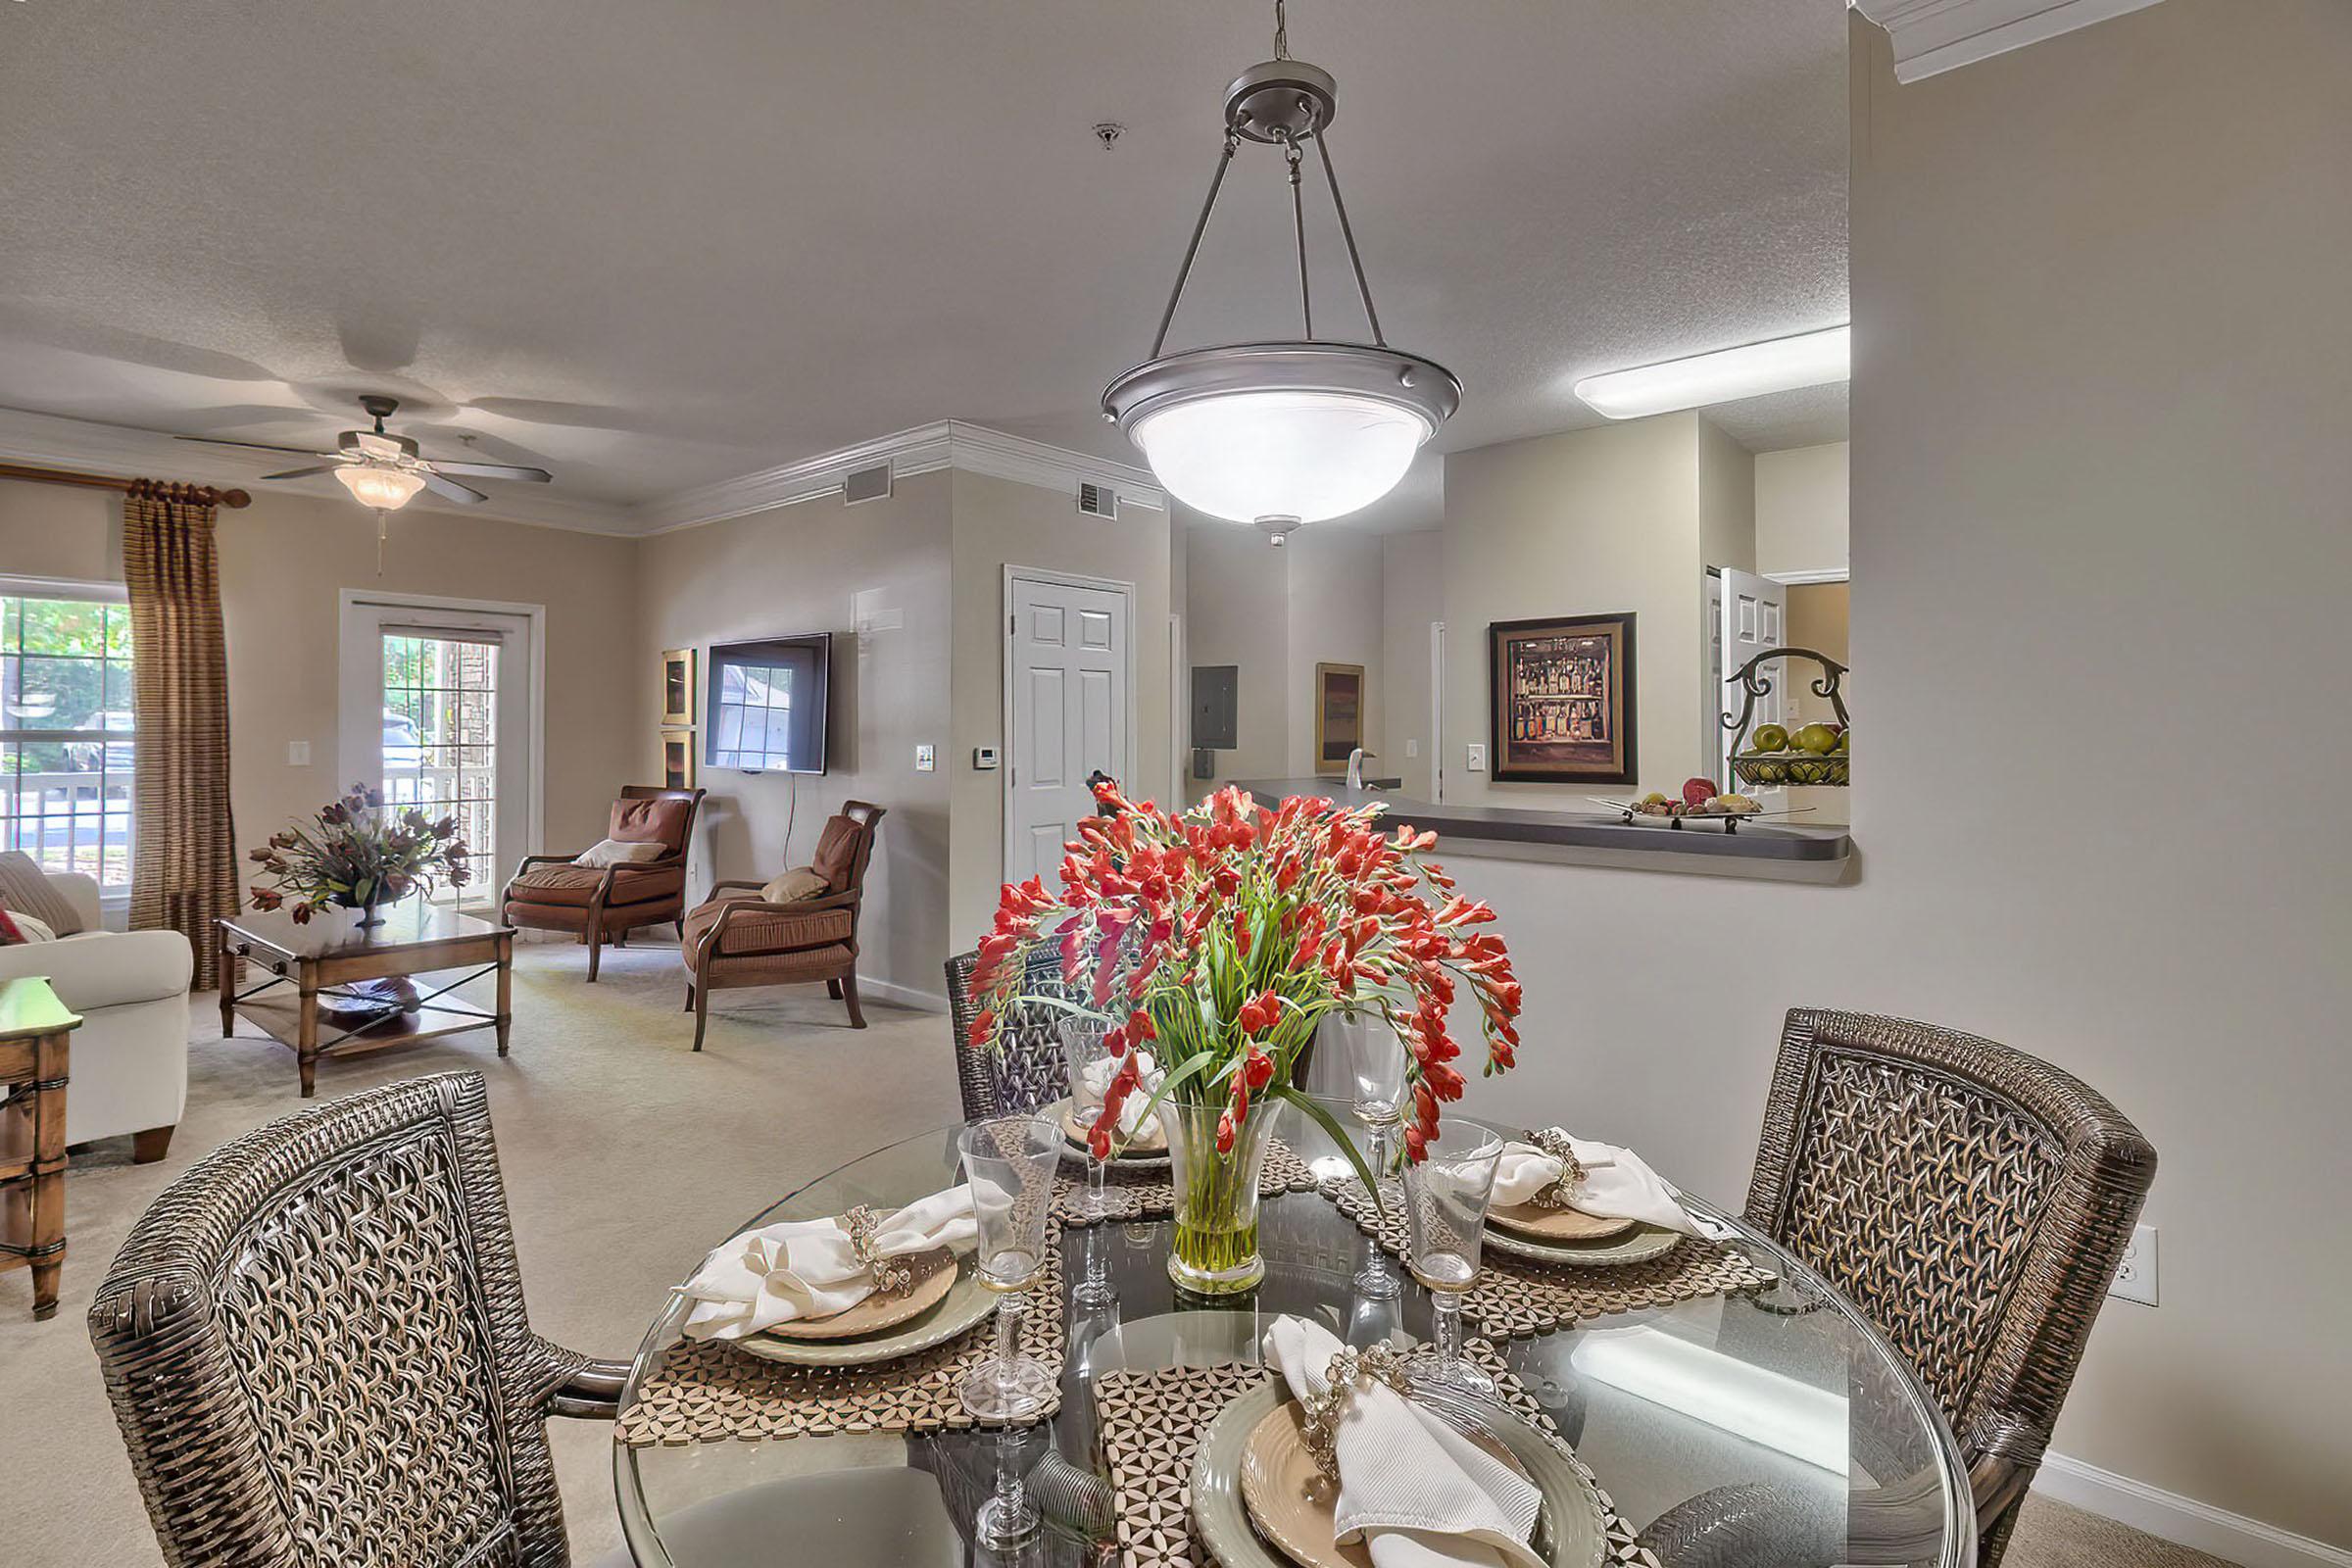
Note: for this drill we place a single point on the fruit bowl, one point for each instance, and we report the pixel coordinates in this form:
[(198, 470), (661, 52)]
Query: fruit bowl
[(1772, 769)]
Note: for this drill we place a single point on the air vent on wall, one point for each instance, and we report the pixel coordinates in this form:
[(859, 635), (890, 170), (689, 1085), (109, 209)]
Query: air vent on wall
[(866, 485), (1098, 501)]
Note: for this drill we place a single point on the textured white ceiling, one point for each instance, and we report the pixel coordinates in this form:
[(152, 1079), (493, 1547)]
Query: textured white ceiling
[(654, 245)]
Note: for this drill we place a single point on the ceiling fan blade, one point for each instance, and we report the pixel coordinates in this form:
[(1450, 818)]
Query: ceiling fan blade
[(304, 473), (450, 490), (254, 446), (490, 471)]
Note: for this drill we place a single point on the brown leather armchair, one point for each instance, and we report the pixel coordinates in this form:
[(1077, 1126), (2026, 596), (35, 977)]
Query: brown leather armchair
[(548, 893), (737, 938)]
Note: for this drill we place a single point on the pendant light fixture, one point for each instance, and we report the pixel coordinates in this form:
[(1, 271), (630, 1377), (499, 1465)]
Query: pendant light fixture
[(1281, 433)]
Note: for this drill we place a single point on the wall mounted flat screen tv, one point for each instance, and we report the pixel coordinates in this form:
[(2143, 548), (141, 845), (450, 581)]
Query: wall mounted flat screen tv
[(766, 708)]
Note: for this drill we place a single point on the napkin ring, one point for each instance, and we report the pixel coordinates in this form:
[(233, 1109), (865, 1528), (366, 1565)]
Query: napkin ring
[(889, 1277), (1562, 1193), (1349, 1370)]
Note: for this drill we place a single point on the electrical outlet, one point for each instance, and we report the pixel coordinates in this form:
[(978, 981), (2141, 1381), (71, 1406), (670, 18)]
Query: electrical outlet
[(2135, 1280), (926, 759), (1477, 762), (1412, 748)]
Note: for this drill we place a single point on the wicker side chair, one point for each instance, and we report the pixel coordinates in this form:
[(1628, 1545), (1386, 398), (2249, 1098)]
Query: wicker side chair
[(1027, 1069), (317, 1348), (1973, 1201)]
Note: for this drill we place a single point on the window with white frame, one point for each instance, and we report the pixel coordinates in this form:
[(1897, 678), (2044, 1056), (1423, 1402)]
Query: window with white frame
[(66, 732)]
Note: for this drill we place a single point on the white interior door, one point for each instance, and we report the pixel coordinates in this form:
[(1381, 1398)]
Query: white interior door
[(1067, 681), (1755, 618), (436, 711)]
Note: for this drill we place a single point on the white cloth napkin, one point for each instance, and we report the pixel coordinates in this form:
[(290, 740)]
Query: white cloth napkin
[(806, 1269), (1417, 1493), (1618, 1184), (1099, 1074)]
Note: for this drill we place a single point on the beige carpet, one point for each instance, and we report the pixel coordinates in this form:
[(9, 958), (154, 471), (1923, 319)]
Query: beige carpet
[(625, 1157)]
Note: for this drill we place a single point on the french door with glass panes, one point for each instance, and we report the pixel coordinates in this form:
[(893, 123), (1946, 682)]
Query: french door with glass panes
[(436, 713)]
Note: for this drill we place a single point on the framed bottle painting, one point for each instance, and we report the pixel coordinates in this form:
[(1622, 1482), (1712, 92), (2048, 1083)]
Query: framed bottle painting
[(1338, 715), (677, 687), (1561, 691), (678, 759)]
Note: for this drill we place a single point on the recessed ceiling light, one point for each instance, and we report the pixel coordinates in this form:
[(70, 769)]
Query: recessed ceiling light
[(1810, 358)]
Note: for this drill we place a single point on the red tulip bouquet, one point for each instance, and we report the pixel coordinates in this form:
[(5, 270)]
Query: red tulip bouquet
[(1218, 940)]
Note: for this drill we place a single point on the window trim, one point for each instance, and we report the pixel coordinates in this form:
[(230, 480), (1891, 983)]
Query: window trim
[(111, 900)]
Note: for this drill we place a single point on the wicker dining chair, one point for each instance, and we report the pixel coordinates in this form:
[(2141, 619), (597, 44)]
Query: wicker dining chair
[(317, 1348), (1974, 1202), (1025, 1069)]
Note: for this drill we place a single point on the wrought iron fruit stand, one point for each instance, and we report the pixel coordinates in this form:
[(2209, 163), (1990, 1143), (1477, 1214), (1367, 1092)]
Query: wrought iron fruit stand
[(1772, 769)]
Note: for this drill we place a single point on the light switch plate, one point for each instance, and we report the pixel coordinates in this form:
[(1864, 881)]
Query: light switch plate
[(926, 759), (1412, 748), (298, 753), (2135, 1280), (1477, 762)]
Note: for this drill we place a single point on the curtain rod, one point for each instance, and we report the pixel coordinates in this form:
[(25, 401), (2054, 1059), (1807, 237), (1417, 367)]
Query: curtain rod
[(204, 494)]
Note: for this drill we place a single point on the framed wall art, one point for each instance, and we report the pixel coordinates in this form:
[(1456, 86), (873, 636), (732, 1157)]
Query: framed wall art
[(1338, 715), (677, 687), (678, 759), (1561, 700)]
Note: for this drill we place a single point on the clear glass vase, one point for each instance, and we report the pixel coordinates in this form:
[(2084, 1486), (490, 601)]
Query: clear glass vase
[(1213, 1250)]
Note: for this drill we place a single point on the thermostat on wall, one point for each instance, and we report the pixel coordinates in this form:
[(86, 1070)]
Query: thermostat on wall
[(984, 757)]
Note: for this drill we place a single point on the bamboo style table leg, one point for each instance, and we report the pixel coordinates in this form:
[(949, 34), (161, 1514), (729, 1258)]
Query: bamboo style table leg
[(505, 987), (306, 1031), (228, 987), (47, 1232)]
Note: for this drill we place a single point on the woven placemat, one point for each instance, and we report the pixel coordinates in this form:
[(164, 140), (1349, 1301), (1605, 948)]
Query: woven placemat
[(1515, 1298), (1146, 1194), (707, 1391), (1150, 1425)]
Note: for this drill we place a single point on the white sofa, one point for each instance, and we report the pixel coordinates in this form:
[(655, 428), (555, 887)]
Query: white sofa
[(129, 1058)]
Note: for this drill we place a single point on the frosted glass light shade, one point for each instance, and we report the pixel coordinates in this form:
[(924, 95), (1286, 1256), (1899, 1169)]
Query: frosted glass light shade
[(1244, 456), (384, 489)]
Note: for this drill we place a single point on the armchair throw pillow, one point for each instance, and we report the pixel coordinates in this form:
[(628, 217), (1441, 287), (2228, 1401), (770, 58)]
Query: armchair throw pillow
[(613, 852), (794, 886)]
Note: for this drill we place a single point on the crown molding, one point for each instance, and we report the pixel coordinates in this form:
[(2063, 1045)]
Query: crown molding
[(1937, 35), (924, 449), (127, 451)]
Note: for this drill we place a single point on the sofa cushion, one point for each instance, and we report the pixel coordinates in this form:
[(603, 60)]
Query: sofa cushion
[(656, 821), (25, 886), (576, 885), (106, 968), (836, 854), (764, 930)]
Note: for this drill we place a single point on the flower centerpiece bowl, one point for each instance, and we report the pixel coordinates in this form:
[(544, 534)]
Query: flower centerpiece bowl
[(1218, 939), (358, 853)]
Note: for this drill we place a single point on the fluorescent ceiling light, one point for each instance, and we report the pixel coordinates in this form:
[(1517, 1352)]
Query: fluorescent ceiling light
[(1810, 358)]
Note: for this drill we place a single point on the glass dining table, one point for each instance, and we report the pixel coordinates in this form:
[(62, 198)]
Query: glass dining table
[(1781, 1406)]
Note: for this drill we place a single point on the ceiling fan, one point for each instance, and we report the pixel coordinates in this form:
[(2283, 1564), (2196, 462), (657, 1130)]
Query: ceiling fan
[(383, 470)]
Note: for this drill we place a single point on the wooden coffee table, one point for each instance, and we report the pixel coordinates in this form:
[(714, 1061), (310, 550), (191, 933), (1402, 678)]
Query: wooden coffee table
[(34, 1037), (315, 973)]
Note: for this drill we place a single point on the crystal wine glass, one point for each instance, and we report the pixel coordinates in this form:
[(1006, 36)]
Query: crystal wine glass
[(1089, 1067), (1376, 1066), (1446, 1199), (1009, 1162)]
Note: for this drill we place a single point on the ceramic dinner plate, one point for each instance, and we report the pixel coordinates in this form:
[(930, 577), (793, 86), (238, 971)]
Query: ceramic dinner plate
[(934, 1276), (1290, 1503), (1637, 1246), (1569, 1527), (962, 1305), (1545, 1224), (1142, 1154)]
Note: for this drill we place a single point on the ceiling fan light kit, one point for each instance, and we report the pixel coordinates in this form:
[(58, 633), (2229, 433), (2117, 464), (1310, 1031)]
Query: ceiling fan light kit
[(1282, 433)]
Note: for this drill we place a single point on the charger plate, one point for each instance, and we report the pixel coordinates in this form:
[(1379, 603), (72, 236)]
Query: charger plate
[(1292, 1504), (1640, 1245), (1571, 1529), (960, 1306), (934, 1276), (1557, 1224)]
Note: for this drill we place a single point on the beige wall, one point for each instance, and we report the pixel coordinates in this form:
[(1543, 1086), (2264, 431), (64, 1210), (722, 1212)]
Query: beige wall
[(284, 562), (1412, 595), (1801, 509), (2099, 482), (1335, 618), (1237, 611), (998, 524), (1593, 521), (796, 569)]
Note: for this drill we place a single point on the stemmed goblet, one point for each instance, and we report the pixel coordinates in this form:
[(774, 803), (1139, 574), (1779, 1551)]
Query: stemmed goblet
[(1446, 1200), (1009, 1162), (1090, 1059), (1376, 1068)]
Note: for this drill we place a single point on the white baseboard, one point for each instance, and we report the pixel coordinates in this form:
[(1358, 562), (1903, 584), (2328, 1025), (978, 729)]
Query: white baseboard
[(2184, 1521), (903, 995)]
